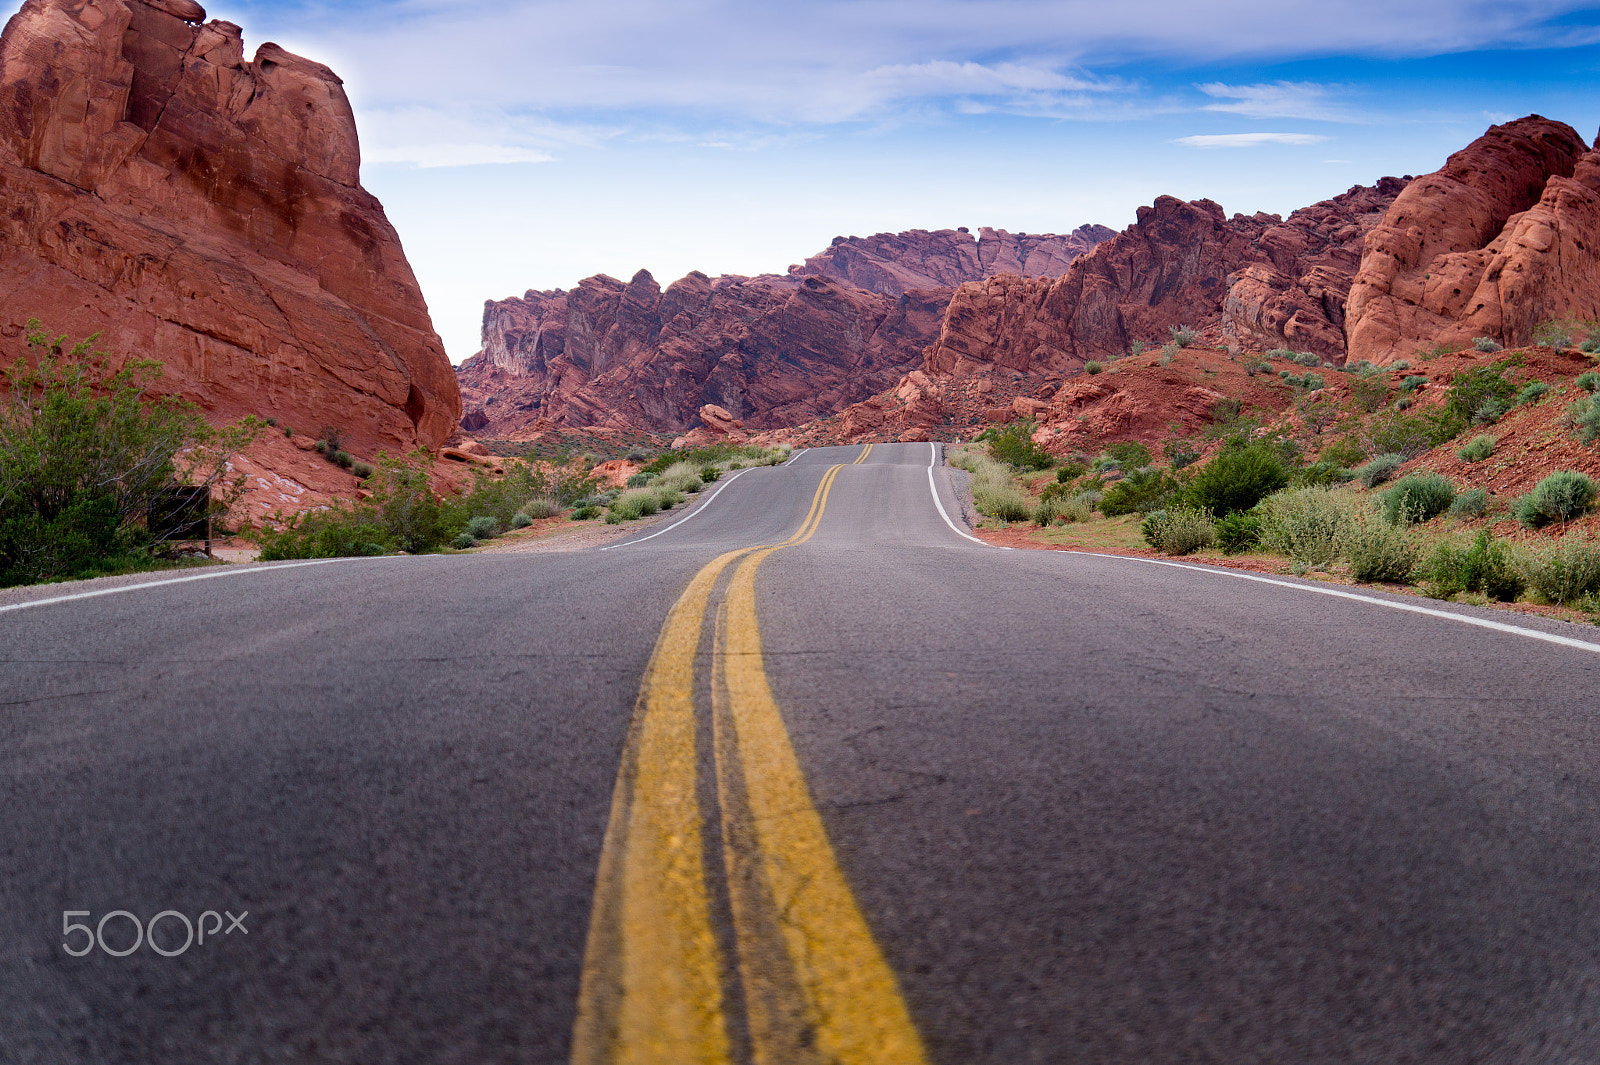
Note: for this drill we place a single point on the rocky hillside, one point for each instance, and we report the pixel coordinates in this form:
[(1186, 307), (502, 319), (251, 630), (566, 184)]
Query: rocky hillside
[(772, 350), (206, 210)]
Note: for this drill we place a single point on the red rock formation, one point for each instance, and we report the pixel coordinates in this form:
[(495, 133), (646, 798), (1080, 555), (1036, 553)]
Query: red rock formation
[(207, 211), (770, 350), (1268, 281), (892, 263), (1488, 246)]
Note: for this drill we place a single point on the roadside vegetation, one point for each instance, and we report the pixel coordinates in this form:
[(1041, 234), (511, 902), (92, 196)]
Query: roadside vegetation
[(91, 460), (1333, 487)]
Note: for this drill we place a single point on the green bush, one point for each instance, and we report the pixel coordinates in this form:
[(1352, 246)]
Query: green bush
[(639, 480), (1378, 551), (1531, 392), (344, 458), (521, 521), (1092, 367), (1379, 469), (362, 470), (1585, 417), (1305, 523), (1068, 509), (1470, 504), (1071, 471), (1589, 381), (1477, 449), (1486, 566), (85, 452), (1130, 454), (1003, 502), (1485, 344), (1237, 479), (1142, 490), (1418, 497), (1563, 572), (483, 527), (462, 541), (1554, 334), (709, 474), (585, 513), (632, 505), (1013, 444), (1370, 390), (667, 496), (1481, 394), (1324, 471), (1410, 435), (540, 507), (1562, 496), (1179, 531), (1237, 533), (1182, 335), (1412, 382)]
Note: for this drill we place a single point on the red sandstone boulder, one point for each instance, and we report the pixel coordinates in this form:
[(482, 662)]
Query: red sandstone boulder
[(1435, 270), (206, 210), (715, 419)]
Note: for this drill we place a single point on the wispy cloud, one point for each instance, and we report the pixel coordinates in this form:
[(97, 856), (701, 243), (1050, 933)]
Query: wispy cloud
[(1280, 99), (1248, 140)]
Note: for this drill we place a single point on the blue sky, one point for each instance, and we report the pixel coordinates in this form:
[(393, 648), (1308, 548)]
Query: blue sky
[(530, 143)]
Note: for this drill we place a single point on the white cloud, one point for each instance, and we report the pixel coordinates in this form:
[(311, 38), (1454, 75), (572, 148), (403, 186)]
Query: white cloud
[(1279, 99), (1248, 140)]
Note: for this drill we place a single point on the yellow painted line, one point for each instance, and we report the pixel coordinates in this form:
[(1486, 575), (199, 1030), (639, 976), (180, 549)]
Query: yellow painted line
[(863, 456), (651, 985), (799, 930)]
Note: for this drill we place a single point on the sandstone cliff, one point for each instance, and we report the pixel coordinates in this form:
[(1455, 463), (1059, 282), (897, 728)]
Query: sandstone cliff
[(892, 263), (1268, 281), (774, 351), (207, 211), (1499, 240)]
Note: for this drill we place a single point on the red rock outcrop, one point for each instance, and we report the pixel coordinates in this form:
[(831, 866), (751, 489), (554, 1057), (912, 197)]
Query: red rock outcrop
[(1268, 281), (769, 350), (892, 263), (1498, 240), (207, 211)]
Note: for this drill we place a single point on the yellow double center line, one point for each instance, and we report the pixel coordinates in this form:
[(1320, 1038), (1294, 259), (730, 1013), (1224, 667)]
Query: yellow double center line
[(816, 987)]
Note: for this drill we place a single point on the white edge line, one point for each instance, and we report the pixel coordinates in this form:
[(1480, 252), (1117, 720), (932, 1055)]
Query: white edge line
[(796, 455), (932, 462), (1410, 608), (704, 504), (242, 572)]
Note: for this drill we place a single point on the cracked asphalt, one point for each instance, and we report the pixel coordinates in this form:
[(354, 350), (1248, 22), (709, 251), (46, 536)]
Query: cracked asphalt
[(1094, 809)]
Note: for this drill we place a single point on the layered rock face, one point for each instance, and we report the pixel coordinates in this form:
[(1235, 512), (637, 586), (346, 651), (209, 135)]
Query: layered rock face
[(774, 351), (207, 211), (1269, 281), (1498, 241), (769, 350), (892, 263)]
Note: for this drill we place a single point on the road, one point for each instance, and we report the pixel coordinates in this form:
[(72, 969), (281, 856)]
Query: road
[(878, 794)]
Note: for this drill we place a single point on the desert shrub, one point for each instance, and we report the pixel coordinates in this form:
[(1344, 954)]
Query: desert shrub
[(1378, 550), (667, 496), (1143, 489), (678, 478), (362, 470), (1136, 348), (1477, 449), (585, 513), (1562, 496), (1370, 390), (462, 541), (1589, 381), (541, 507), (637, 454), (1070, 471), (1238, 478), (1490, 411), (994, 489), (1470, 504), (709, 474), (1486, 566), (344, 458), (1323, 471), (1092, 367), (1409, 435), (1180, 453), (1564, 571), (1532, 392), (1412, 382), (1585, 418), (1556, 334), (632, 505), (1013, 444), (1379, 469), (639, 480), (1255, 366), (1131, 454), (483, 527), (521, 521), (1179, 531), (1305, 523), (1168, 350), (1237, 533), (1078, 508), (1485, 344), (1481, 395), (1418, 497), (1182, 335), (84, 454)]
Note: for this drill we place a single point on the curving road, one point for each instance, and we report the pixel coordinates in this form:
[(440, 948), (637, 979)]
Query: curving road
[(809, 777)]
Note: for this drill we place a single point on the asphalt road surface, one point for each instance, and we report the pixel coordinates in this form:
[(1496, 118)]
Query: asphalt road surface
[(810, 777)]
